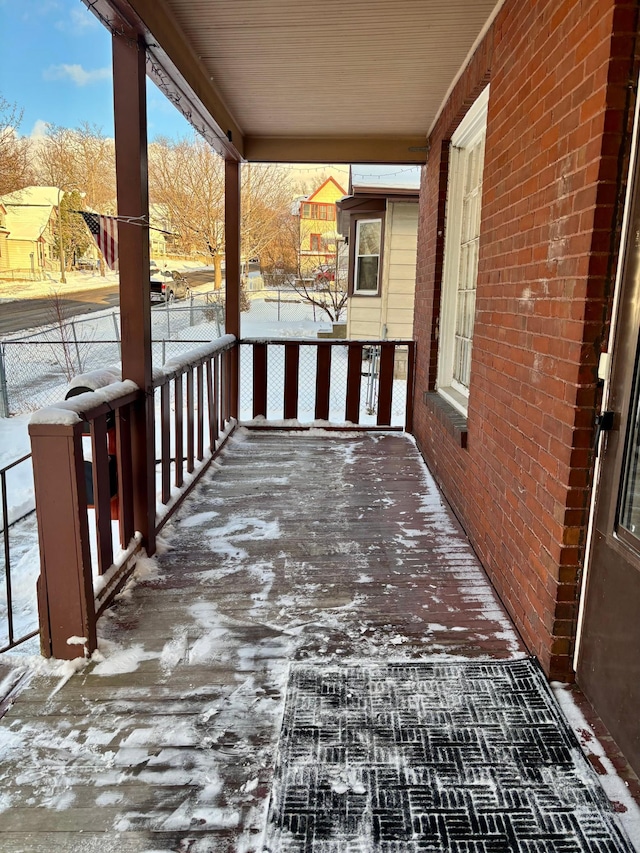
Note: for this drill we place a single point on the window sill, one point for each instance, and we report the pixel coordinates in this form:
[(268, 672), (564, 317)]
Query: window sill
[(454, 422)]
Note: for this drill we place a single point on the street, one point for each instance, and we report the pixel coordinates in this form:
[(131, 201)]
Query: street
[(19, 314), (31, 313)]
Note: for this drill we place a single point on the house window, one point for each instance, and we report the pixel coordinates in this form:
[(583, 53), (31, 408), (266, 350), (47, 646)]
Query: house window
[(462, 238), (312, 210), (367, 256), (315, 242)]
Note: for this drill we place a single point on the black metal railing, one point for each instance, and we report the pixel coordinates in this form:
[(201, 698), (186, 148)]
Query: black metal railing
[(8, 636)]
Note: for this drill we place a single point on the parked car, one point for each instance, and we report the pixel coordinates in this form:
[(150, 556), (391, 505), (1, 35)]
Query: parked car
[(168, 285), (87, 264), (324, 273)]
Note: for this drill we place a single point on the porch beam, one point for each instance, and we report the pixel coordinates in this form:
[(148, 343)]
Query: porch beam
[(232, 274), (410, 150), (130, 121), (175, 69)]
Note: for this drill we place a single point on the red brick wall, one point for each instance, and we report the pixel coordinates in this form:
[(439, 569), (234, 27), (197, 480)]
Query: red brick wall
[(559, 76)]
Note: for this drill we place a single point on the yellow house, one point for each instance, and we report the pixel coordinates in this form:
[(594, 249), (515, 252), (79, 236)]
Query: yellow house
[(29, 222), (4, 233), (318, 226)]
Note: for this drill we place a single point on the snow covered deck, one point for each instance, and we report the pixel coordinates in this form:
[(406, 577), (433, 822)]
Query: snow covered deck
[(300, 547)]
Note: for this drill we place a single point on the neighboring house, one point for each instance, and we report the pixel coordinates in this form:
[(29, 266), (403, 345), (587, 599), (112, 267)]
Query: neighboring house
[(159, 230), (4, 234), (379, 218), (317, 214), (30, 222)]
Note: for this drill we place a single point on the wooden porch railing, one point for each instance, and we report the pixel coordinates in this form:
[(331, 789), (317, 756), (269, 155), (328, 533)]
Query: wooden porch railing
[(88, 543), (88, 547), (344, 384), (196, 388)]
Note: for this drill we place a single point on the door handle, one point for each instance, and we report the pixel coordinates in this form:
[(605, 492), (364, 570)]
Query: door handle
[(604, 423)]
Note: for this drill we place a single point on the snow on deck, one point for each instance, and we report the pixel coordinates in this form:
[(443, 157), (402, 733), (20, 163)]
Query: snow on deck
[(301, 547)]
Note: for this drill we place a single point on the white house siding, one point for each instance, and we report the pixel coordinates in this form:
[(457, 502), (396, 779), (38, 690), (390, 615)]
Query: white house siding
[(364, 317), (368, 316), (400, 263)]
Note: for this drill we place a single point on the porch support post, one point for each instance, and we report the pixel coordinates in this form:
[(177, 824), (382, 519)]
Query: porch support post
[(232, 275), (65, 589), (130, 119)]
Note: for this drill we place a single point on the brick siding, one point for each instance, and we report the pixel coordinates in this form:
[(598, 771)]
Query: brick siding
[(557, 125)]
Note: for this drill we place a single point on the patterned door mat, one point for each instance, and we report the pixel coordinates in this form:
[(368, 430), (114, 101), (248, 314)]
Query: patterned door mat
[(420, 757)]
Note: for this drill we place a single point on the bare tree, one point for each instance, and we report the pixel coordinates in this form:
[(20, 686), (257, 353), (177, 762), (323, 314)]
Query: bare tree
[(266, 203), (56, 165), (69, 353), (187, 178), (95, 167), (81, 159), (326, 286), (15, 151)]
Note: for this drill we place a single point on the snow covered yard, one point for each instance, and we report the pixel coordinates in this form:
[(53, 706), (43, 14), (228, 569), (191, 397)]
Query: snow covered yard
[(299, 548)]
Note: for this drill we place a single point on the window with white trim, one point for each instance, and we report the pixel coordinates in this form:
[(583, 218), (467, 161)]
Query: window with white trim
[(367, 256), (462, 238)]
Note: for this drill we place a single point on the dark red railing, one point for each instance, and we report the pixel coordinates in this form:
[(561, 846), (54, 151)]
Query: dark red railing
[(328, 387), (75, 447), (195, 387)]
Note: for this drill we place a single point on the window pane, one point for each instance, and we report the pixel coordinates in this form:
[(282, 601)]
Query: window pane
[(630, 504), (369, 237), (367, 273)]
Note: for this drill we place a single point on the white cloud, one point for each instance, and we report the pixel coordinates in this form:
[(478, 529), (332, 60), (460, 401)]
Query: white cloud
[(77, 74), (39, 129), (80, 20)]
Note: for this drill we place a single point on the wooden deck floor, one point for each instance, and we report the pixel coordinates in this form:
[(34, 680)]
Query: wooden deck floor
[(298, 547)]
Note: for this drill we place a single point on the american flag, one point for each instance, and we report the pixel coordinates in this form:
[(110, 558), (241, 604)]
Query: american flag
[(104, 230)]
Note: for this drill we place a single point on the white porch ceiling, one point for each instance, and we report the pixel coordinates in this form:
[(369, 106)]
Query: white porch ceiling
[(307, 80)]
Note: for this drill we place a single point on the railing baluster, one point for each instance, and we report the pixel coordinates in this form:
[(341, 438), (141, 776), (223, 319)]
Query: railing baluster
[(385, 384), (354, 383), (190, 405), (211, 405), (7, 555), (408, 417), (291, 370), (323, 381), (259, 380), (224, 393), (179, 430), (200, 418), (216, 396), (102, 492), (165, 442), (125, 474)]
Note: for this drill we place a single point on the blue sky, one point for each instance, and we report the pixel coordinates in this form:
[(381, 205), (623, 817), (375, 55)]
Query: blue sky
[(55, 64)]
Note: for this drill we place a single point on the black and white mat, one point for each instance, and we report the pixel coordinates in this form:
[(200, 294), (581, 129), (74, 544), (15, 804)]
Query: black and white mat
[(469, 757)]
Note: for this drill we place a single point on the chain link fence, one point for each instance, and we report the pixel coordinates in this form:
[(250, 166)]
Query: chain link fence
[(36, 369)]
